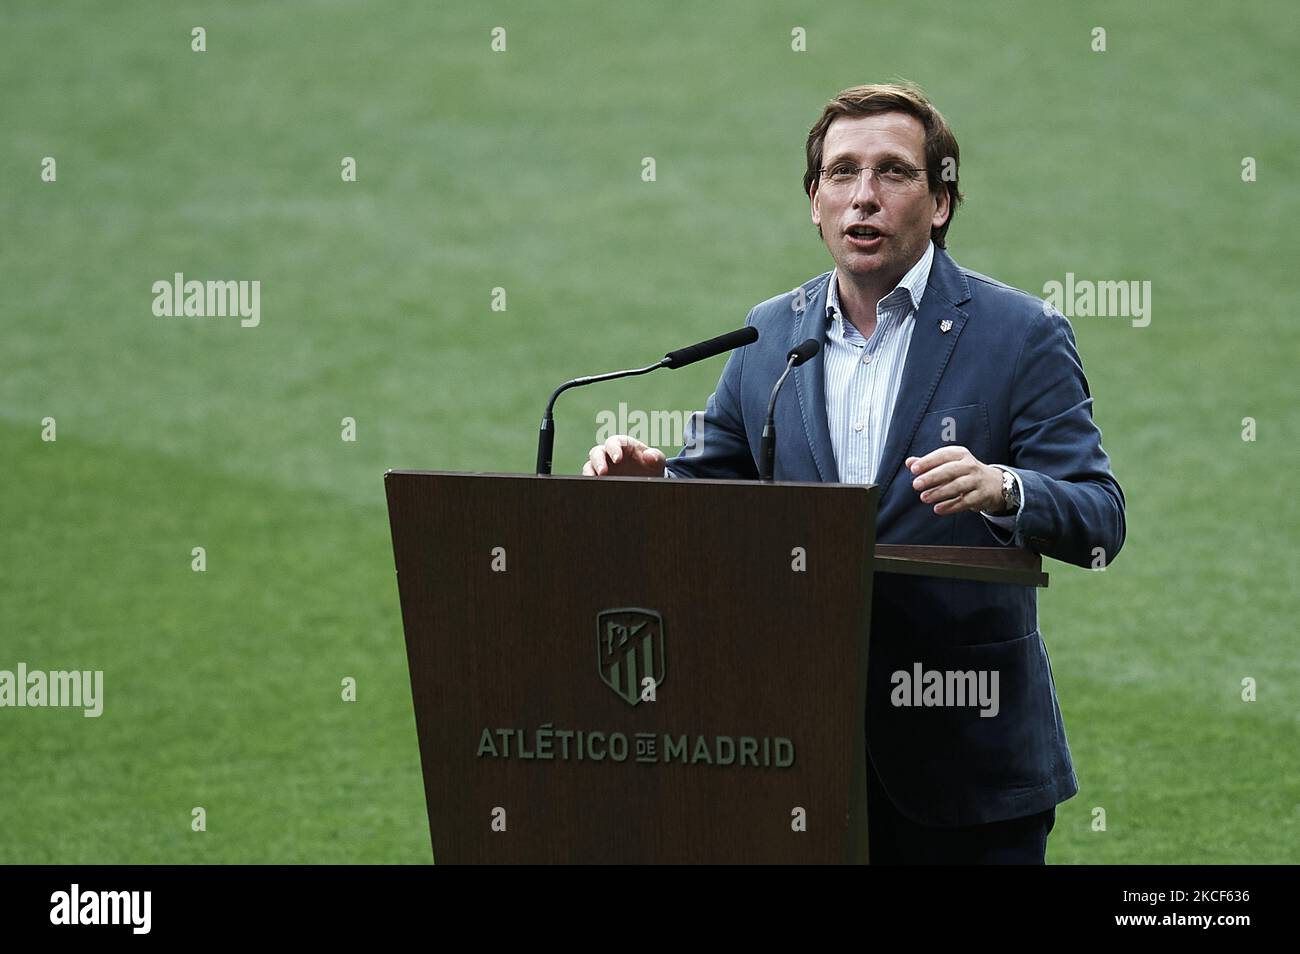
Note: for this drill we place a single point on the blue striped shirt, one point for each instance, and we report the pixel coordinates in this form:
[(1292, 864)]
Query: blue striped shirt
[(863, 377)]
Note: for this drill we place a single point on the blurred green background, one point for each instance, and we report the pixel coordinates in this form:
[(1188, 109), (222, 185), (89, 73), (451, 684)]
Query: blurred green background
[(522, 170)]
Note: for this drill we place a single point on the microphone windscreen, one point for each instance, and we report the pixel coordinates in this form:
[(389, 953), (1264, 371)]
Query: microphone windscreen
[(707, 349), (804, 351)]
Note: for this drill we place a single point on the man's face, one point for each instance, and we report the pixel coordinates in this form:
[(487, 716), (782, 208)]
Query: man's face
[(902, 215)]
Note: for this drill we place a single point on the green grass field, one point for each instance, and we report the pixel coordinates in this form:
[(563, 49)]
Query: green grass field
[(522, 170)]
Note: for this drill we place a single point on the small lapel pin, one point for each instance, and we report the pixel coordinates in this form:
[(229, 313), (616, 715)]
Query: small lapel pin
[(946, 325)]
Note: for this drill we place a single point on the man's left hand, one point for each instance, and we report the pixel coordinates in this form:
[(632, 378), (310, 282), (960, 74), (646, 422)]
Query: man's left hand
[(952, 480)]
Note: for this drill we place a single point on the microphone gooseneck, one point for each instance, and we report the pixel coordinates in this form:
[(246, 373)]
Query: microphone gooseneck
[(767, 450), (673, 359)]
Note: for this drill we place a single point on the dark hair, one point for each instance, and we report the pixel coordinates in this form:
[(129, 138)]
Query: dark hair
[(942, 156)]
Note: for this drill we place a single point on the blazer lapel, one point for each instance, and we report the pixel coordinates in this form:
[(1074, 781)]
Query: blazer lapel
[(810, 383), (927, 357)]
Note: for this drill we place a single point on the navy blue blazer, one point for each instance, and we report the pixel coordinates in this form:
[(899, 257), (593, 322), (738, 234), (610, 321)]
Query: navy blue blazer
[(1004, 380)]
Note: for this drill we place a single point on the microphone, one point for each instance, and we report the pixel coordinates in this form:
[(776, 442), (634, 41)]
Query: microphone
[(673, 359), (707, 349), (767, 452)]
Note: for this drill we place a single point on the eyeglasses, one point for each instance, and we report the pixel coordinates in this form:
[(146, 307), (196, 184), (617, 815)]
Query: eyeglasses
[(892, 175)]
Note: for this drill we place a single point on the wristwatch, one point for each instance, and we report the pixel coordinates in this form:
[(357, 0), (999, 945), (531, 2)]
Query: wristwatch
[(1010, 491)]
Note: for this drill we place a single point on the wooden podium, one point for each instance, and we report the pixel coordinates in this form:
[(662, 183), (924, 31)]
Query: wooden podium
[(614, 670)]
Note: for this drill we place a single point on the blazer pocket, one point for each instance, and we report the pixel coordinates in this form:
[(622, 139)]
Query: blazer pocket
[(1016, 717), (967, 426), (984, 714)]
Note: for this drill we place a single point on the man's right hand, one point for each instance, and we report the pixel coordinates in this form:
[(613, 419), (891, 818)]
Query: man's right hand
[(623, 456)]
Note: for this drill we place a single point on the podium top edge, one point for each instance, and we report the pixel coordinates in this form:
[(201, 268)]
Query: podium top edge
[(657, 480)]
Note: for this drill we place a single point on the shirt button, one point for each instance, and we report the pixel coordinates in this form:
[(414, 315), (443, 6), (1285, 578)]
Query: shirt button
[(857, 425), (866, 359)]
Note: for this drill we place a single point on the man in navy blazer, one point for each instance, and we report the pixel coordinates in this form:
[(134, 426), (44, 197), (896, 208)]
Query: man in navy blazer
[(965, 401)]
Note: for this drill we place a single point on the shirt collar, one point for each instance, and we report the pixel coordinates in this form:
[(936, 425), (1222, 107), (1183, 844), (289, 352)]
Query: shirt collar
[(912, 285)]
